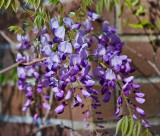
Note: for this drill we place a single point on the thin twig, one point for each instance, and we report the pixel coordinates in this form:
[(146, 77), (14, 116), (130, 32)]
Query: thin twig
[(33, 62), (11, 67), (7, 38), (50, 102), (21, 63)]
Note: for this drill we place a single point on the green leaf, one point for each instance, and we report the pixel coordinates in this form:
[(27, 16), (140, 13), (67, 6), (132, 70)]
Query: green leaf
[(119, 125), (140, 10), (16, 29), (131, 126), (28, 26), (135, 2), (15, 5), (139, 127), (129, 3), (39, 20), (1, 3), (99, 7), (136, 25), (87, 2), (62, 10), (37, 4), (124, 127), (7, 3), (54, 2), (107, 3)]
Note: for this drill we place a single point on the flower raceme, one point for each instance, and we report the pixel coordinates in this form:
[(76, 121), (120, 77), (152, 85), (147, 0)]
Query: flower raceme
[(70, 51)]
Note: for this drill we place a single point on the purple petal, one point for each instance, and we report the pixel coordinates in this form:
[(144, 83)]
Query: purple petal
[(98, 72), (60, 109), (55, 89), (119, 100), (145, 123), (59, 95), (39, 90), (65, 47), (107, 97), (21, 72), (127, 87), (49, 74), (140, 111), (68, 22), (46, 106), (117, 111), (85, 93), (129, 79), (78, 98), (55, 57), (136, 86), (140, 100), (75, 59), (89, 83), (19, 57), (134, 116), (46, 50), (101, 51), (92, 16), (35, 117), (76, 26), (60, 32), (68, 95), (36, 75), (110, 75), (116, 60), (139, 94), (54, 24), (29, 95)]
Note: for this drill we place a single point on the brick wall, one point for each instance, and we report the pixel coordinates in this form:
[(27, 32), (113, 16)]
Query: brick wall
[(12, 100)]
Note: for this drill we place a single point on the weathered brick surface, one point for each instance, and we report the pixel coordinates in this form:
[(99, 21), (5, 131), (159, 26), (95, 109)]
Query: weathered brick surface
[(12, 101), (144, 49)]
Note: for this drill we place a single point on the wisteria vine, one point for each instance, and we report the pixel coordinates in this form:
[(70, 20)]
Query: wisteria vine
[(67, 57)]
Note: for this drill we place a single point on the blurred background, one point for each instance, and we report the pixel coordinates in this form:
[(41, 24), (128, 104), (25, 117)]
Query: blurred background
[(141, 45)]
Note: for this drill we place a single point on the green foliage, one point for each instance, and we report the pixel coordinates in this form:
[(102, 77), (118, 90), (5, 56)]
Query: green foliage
[(119, 125), (125, 126), (12, 74), (87, 2), (15, 5), (1, 3), (143, 24), (16, 29), (129, 127), (141, 10), (39, 19), (99, 6), (7, 3), (54, 2)]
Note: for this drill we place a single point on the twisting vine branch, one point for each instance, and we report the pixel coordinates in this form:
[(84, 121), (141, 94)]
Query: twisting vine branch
[(21, 63)]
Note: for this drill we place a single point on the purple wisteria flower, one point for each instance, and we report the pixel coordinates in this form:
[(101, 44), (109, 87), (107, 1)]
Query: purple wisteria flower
[(60, 108), (74, 57), (24, 42)]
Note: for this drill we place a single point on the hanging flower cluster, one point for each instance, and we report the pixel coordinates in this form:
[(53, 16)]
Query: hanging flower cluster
[(68, 55)]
